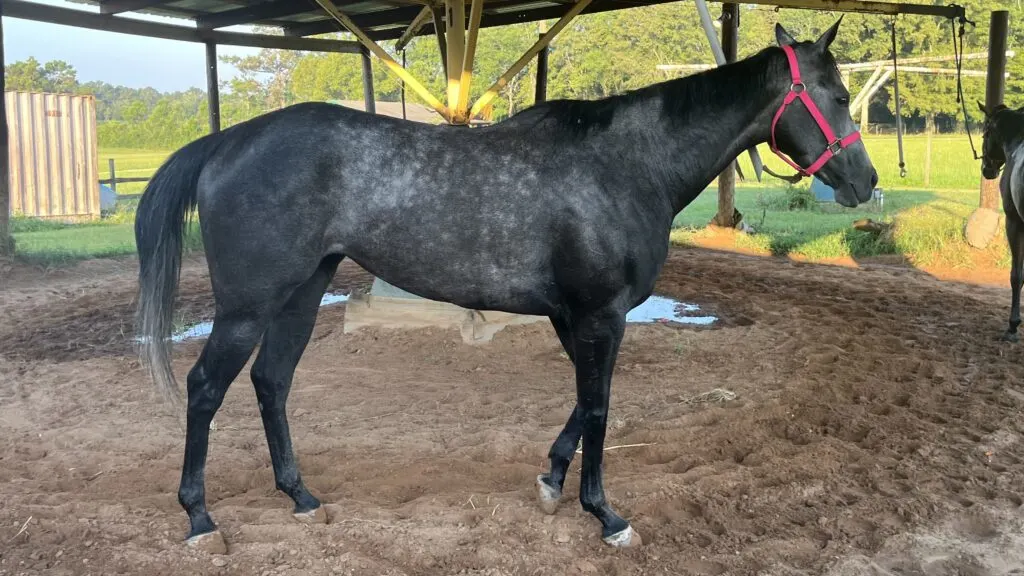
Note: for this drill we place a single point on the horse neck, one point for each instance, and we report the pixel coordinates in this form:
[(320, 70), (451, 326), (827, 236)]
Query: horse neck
[(687, 131)]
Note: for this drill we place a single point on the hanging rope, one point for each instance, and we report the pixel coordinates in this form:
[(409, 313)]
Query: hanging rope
[(958, 54), (896, 94)]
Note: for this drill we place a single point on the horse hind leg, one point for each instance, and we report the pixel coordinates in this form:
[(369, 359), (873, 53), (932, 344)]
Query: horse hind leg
[(231, 342), (272, 372)]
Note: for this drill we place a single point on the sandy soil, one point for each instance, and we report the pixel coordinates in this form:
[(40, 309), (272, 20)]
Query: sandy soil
[(876, 430)]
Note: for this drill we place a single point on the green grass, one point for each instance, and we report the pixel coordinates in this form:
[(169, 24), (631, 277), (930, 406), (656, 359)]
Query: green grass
[(951, 167), (928, 224), (51, 243), (927, 227), (131, 163)]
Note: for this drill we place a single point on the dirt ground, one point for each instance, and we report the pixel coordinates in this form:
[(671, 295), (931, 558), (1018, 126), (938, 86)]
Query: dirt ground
[(875, 430)]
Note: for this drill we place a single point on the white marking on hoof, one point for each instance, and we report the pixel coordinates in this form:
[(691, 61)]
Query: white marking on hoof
[(316, 516), (211, 543), (547, 496), (627, 538)]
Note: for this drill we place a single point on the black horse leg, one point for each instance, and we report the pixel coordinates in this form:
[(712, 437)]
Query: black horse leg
[(1015, 237), (272, 372), (231, 341), (564, 447), (596, 341)]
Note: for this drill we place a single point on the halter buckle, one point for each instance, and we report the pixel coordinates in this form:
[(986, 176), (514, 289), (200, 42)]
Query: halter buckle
[(836, 147)]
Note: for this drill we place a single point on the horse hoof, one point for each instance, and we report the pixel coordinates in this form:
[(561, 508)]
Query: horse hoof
[(627, 538), (211, 543), (315, 516), (547, 496), (1010, 337)]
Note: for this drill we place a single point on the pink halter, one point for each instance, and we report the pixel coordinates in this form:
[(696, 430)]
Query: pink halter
[(798, 90)]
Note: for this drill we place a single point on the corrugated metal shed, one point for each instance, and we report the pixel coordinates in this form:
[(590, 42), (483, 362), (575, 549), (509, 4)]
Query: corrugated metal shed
[(53, 156)]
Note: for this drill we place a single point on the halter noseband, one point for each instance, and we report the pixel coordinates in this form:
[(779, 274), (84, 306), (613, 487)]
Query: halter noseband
[(798, 90)]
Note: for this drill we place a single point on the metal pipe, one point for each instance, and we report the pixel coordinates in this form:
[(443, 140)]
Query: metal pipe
[(716, 49), (368, 102), (212, 87)]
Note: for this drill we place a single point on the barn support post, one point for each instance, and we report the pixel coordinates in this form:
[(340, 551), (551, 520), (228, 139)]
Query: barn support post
[(995, 84), (541, 92), (379, 52), (539, 45), (6, 241), (212, 87), (455, 32), (476, 12), (983, 223), (442, 44), (368, 102), (726, 216)]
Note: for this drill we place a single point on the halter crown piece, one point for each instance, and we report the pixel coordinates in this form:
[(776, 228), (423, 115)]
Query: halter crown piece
[(798, 90)]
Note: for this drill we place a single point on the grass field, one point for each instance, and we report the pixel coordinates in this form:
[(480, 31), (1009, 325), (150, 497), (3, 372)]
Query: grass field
[(950, 168), (928, 224)]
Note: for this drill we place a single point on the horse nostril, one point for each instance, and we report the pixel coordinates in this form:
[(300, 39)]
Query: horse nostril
[(874, 178)]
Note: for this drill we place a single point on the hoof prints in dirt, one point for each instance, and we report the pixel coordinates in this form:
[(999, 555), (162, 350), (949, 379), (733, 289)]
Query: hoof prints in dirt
[(101, 324), (875, 429)]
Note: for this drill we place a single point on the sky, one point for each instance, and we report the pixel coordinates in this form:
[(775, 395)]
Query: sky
[(119, 59)]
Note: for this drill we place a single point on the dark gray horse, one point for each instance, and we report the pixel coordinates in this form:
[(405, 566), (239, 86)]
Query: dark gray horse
[(1001, 144), (563, 210)]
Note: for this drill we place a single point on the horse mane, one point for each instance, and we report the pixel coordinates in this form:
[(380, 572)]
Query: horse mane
[(678, 96)]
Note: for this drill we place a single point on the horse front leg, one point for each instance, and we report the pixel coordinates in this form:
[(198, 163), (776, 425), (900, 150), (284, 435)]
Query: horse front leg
[(1015, 238), (596, 340)]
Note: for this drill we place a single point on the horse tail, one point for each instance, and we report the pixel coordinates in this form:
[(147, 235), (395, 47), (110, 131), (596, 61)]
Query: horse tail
[(162, 220)]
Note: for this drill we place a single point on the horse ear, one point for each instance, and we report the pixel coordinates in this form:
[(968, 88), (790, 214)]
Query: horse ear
[(783, 37), (982, 108), (826, 39)]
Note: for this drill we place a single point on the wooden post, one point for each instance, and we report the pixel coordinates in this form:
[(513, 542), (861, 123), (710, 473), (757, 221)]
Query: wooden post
[(6, 241), (983, 224), (455, 31), (727, 179), (995, 82), (865, 118), (381, 53), (442, 44), (476, 12), (113, 175), (541, 93), (212, 88), (368, 102), (539, 45)]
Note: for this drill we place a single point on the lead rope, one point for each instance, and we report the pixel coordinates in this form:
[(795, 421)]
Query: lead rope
[(896, 92), (958, 54)]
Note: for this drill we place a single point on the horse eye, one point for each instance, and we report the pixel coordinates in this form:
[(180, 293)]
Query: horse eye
[(843, 100)]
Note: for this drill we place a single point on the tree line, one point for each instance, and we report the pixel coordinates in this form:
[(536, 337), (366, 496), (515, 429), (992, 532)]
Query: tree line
[(596, 56)]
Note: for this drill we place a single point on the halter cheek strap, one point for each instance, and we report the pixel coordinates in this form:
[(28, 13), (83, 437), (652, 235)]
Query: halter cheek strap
[(798, 90)]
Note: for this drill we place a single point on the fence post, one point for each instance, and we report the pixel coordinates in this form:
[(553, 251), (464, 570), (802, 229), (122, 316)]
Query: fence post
[(113, 175)]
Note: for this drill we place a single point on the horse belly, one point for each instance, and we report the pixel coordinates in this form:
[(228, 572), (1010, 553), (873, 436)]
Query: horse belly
[(475, 280)]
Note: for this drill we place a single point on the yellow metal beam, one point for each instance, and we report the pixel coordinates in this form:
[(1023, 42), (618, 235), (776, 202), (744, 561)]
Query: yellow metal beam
[(379, 52), (541, 43), (418, 22), (476, 10), (455, 33)]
